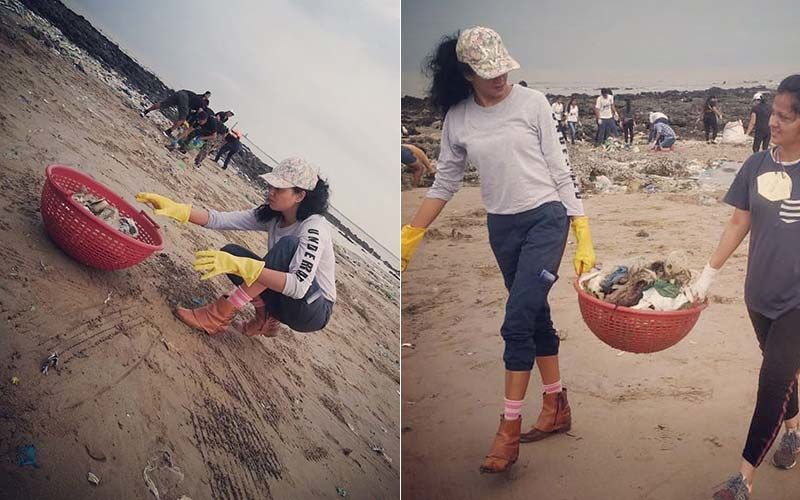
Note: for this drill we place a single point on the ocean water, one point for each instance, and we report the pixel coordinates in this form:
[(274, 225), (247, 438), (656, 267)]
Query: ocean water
[(414, 84), (621, 87)]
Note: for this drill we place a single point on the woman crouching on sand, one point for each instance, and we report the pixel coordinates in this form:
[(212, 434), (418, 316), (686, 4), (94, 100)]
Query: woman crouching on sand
[(294, 282), (527, 185), (766, 198)]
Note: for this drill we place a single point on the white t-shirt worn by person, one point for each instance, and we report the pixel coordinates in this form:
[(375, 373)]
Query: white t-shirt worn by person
[(603, 105)]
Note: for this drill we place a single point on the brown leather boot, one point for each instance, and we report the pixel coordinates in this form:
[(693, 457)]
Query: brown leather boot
[(505, 448), (555, 418), (212, 319), (263, 324)]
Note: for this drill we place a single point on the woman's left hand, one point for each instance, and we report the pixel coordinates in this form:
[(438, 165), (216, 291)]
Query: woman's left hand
[(216, 262)]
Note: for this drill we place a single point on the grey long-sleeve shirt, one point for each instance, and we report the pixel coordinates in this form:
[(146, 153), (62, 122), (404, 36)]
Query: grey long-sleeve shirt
[(313, 259), (518, 152)]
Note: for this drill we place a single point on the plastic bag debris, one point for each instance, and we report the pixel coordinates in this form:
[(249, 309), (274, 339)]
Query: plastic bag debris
[(379, 449), (93, 479), (26, 456), (50, 362), (162, 462)]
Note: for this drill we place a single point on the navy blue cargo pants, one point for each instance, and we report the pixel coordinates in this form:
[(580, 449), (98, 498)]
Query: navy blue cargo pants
[(528, 247)]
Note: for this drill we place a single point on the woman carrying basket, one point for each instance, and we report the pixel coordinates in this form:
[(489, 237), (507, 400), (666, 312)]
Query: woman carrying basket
[(528, 188), (766, 198), (294, 282)]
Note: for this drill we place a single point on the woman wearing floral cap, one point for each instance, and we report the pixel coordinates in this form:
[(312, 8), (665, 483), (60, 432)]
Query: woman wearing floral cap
[(529, 191), (294, 283)]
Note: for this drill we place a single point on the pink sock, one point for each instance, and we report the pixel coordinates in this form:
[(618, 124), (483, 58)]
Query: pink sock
[(555, 387), (512, 409), (239, 298)]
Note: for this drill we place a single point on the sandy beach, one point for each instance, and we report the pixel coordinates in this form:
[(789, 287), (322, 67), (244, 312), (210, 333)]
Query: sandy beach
[(662, 426), (297, 416)]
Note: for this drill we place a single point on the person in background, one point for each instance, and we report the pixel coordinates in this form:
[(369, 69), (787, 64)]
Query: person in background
[(711, 115), (653, 118), (665, 137), (183, 140), (204, 131), (759, 122), (529, 190), (233, 144), (572, 118), (605, 112), (221, 116), (185, 101), (765, 195), (628, 121), (213, 142), (558, 113), (224, 116), (416, 159)]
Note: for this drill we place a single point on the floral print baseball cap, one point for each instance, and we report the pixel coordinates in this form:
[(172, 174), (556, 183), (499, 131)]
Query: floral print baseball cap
[(485, 53), (293, 172)]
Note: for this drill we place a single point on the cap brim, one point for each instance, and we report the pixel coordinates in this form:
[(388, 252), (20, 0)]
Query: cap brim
[(275, 181), (502, 67)]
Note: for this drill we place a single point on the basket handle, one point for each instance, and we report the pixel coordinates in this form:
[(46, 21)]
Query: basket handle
[(147, 216)]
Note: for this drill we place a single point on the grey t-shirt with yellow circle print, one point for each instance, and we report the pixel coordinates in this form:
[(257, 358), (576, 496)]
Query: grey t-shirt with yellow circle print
[(770, 191)]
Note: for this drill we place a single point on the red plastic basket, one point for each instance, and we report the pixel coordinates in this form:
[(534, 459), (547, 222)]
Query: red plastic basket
[(634, 330), (86, 238)]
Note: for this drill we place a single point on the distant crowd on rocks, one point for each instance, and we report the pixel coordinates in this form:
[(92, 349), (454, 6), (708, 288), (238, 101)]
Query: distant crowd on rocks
[(662, 117)]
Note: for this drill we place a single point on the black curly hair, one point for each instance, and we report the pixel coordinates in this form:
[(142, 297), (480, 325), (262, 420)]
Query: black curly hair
[(448, 85), (791, 85), (315, 203)]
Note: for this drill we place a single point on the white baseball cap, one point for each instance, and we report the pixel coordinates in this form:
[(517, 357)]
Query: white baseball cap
[(758, 96)]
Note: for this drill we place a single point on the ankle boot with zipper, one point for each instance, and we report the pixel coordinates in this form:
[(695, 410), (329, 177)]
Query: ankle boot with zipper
[(505, 448), (555, 418), (212, 319)]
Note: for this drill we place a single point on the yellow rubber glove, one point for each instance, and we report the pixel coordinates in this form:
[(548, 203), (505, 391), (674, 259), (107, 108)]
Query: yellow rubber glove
[(215, 262), (164, 206), (584, 253), (410, 238)]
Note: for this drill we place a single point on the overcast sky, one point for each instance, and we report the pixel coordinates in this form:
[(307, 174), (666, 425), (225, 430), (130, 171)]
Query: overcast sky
[(618, 41), (305, 78)]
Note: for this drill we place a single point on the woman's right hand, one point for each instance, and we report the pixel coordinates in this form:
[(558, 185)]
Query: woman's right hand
[(410, 237), (698, 290), (164, 206)]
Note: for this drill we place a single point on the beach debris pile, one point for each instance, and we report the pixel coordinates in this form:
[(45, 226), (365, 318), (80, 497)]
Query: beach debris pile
[(625, 171), (108, 213), (658, 285), (614, 144)]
